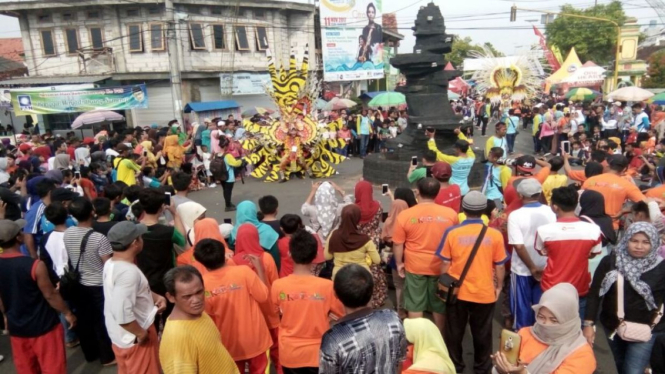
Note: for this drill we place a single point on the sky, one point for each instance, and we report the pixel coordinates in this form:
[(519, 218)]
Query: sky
[(462, 16)]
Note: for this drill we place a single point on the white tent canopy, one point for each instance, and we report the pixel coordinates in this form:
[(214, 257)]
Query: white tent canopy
[(586, 75)]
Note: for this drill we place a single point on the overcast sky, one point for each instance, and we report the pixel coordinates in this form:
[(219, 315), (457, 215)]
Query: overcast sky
[(462, 17)]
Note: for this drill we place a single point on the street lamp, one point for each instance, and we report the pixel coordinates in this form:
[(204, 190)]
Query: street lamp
[(513, 18)]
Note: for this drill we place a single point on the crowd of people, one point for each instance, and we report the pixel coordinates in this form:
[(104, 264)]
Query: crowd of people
[(103, 247)]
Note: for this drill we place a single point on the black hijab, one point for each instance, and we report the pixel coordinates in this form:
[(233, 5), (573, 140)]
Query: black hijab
[(407, 195), (593, 206)]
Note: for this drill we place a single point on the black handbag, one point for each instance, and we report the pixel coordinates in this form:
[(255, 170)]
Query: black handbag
[(70, 280), (449, 286)]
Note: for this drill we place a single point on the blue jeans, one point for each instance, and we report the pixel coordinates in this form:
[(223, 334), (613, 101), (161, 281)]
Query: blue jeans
[(582, 308), (70, 335), (630, 357), (344, 151), (364, 140), (536, 144), (511, 141)]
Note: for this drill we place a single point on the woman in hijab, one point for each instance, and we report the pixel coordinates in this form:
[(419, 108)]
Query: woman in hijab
[(190, 212), (430, 355), (325, 210), (174, 151), (555, 343), (151, 158), (370, 224), (347, 245), (396, 208), (592, 209), (406, 194), (206, 228), (636, 264), (248, 244), (4, 175), (61, 161), (247, 213)]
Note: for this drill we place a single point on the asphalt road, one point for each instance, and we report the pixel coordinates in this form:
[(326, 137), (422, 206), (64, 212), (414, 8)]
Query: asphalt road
[(291, 195)]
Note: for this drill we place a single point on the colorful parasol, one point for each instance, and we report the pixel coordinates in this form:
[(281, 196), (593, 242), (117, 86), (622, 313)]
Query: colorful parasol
[(657, 99), (387, 99), (582, 94), (630, 94)]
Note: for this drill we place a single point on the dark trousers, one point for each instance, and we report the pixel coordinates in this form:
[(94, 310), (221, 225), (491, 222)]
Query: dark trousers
[(511, 141), (91, 329), (228, 191), (536, 144), (479, 318), (305, 370), (479, 119), (484, 128)]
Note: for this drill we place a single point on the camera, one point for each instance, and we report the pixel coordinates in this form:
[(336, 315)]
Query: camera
[(506, 161)]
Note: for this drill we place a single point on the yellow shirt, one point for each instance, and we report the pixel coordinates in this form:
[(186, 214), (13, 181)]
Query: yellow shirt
[(552, 182), (194, 347), (363, 256), (127, 170), (462, 217)]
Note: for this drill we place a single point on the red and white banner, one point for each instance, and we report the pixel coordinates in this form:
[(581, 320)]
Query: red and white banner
[(551, 59)]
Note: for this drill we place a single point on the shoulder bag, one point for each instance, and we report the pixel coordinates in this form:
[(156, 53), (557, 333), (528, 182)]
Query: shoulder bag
[(632, 331), (70, 280), (448, 285)]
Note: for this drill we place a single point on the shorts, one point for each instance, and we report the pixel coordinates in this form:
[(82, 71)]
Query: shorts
[(420, 294)]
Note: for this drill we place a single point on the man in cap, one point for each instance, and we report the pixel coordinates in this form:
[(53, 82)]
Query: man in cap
[(449, 194), (125, 168), (129, 305), (478, 293), (527, 264), (31, 305), (416, 235), (615, 188), (525, 167), (461, 163)]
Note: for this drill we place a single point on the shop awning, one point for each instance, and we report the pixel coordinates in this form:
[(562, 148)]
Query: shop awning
[(207, 106), (50, 81)]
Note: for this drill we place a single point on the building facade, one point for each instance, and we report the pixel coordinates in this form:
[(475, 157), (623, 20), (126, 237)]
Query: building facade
[(105, 42)]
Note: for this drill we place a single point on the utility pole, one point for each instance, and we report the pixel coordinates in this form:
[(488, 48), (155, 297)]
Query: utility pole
[(174, 65)]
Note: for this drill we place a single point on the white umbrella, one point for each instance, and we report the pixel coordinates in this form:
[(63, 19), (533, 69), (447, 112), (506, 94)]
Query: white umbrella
[(95, 117), (630, 94)]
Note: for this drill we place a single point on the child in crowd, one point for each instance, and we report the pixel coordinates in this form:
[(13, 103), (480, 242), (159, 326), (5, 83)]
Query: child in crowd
[(149, 179), (268, 206), (98, 177), (290, 223), (384, 134), (578, 154), (554, 180)]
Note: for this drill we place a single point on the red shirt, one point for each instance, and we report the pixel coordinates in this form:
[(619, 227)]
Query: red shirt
[(70, 152), (450, 197), (87, 184), (286, 262), (567, 244)]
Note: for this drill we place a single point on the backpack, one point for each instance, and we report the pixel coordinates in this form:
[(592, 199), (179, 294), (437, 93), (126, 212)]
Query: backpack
[(218, 168)]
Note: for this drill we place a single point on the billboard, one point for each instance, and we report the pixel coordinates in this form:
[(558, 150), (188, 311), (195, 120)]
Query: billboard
[(244, 83), (351, 39), (38, 101)]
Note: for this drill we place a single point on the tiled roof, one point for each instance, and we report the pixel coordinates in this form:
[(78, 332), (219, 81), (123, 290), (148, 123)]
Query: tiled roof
[(11, 49)]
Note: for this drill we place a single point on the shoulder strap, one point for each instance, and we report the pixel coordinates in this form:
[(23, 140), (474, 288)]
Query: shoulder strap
[(84, 242), (620, 311), (472, 255)]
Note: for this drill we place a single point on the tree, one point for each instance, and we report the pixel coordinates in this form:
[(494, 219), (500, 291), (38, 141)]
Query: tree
[(656, 73), (593, 40), (463, 46)]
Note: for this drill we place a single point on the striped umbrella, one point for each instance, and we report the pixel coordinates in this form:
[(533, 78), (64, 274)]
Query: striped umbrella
[(657, 99), (582, 94)]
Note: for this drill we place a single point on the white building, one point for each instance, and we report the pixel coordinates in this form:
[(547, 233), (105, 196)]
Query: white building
[(111, 42)]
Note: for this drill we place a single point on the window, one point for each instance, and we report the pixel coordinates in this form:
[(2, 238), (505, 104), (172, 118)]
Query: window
[(157, 37), (261, 38), (155, 10), (133, 12), (135, 38), (193, 9), (93, 14), (196, 36), (72, 39), (48, 47), (96, 38), (259, 13), (242, 43), (45, 17), (69, 16), (218, 41), (216, 10)]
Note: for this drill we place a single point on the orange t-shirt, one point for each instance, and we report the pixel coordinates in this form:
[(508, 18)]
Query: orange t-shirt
[(616, 190), (580, 361), (270, 271), (233, 295), (656, 192), (577, 175), (456, 246), (187, 258), (305, 301), (420, 228)]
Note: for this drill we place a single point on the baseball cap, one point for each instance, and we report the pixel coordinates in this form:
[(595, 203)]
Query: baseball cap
[(63, 194), (124, 233), (529, 187), (88, 140), (526, 163), (441, 170), (475, 201), (9, 229), (121, 147), (24, 147), (221, 123)]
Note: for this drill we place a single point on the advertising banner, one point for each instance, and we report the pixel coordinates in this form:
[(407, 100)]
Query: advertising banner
[(244, 83), (37, 101), (352, 40)]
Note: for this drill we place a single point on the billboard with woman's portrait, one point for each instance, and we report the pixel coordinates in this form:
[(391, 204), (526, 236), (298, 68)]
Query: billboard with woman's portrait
[(352, 39)]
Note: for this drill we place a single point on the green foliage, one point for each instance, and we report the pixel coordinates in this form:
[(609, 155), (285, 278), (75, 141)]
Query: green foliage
[(462, 47), (593, 40), (656, 72)]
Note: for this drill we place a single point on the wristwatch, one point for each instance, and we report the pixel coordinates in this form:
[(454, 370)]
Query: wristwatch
[(588, 324)]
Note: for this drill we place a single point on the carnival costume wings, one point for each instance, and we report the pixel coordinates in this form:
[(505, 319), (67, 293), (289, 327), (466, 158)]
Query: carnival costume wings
[(501, 80), (293, 92)]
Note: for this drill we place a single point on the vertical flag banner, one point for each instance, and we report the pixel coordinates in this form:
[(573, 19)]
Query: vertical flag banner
[(36, 101), (352, 40), (555, 63)]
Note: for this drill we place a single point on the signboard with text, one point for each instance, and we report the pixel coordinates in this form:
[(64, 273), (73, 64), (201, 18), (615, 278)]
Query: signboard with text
[(244, 83)]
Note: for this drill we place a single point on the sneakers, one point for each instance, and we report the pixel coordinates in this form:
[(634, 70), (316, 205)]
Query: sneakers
[(231, 208), (212, 185)]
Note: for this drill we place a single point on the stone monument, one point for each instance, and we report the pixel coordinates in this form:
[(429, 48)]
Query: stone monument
[(426, 92)]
